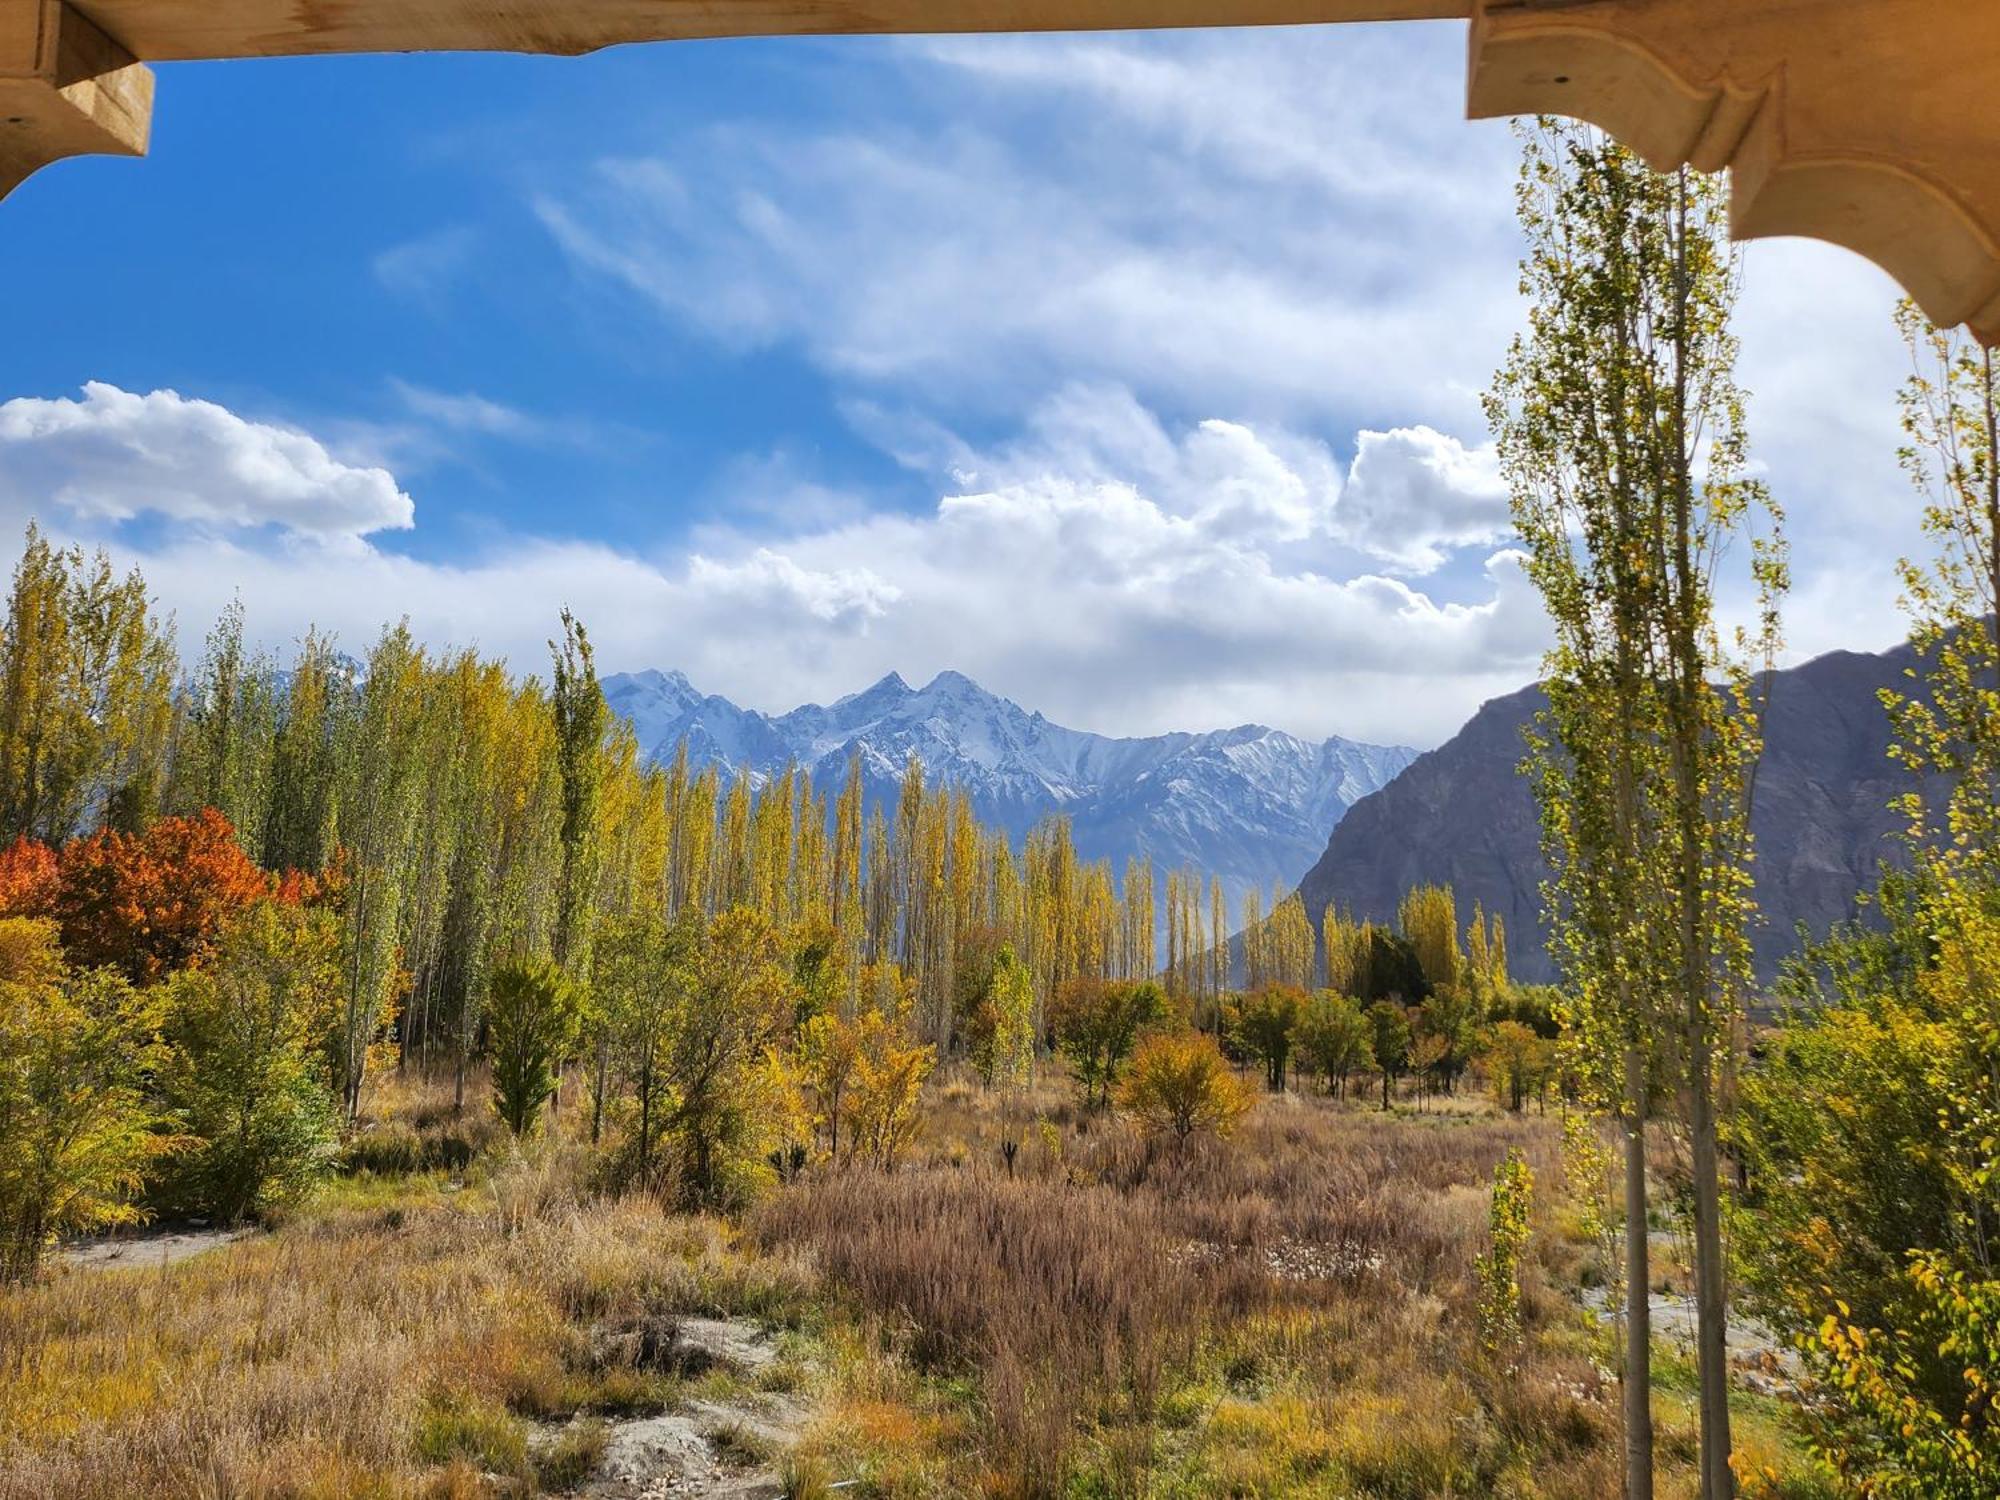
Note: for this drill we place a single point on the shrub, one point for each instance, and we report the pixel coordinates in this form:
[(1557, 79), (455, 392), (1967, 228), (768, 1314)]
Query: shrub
[(1499, 1268), (76, 1127), (1180, 1082), (243, 1079)]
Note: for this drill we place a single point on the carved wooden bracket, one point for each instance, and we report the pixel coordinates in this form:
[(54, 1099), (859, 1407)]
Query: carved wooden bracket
[(66, 89), (1875, 126)]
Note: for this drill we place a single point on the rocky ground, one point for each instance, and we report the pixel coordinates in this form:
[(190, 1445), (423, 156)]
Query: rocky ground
[(726, 1446)]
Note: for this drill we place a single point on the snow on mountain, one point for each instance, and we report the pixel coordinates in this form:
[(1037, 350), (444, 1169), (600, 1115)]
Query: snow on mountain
[(1250, 804)]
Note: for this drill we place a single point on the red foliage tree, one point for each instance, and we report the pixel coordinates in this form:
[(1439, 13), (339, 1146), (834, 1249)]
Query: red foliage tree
[(28, 875), (152, 903)]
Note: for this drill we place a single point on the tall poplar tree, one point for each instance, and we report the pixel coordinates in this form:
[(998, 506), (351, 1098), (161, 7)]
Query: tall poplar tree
[(1621, 433)]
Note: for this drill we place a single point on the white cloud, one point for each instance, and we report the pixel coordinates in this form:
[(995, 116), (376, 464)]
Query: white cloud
[(1293, 228), (466, 411), (1292, 223), (425, 267), (1118, 575), (1414, 496), (114, 456)]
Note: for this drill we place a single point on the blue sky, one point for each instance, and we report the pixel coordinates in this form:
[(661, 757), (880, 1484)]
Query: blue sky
[(1136, 376)]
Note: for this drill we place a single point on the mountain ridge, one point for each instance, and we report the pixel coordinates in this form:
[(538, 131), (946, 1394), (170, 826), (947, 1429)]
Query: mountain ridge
[(1249, 803), (1462, 815)]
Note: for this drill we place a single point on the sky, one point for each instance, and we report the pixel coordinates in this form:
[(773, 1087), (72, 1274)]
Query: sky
[(1136, 376)]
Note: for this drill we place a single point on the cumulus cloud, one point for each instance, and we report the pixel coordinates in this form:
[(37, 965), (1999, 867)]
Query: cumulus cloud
[(1123, 575), (1414, 496), (114, 456)]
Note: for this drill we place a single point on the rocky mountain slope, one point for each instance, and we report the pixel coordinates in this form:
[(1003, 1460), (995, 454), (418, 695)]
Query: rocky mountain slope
[(1250, 804), (1463, 814)]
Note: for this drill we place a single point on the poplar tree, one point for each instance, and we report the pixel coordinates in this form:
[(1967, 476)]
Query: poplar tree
[(581, 717), (1621, 435)]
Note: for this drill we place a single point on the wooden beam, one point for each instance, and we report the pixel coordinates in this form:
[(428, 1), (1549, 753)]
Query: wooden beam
[(163, 30), (66, 89)]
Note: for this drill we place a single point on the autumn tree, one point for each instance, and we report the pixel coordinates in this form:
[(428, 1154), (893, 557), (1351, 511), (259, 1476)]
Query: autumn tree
[(154, 903), (243, 1078), (78, 1130), (1622, 439), (1180, 1084), (889, 1072), (1870, 1229)]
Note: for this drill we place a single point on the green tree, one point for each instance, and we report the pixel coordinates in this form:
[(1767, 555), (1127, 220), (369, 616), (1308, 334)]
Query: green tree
[(1097, 1023), (77, 1127), (1001, 1026), (1519, 1062), (86, 697), (1388, 1042), (640, 991), (223, 758), (581, 717), (243, 1080), (531, 1019), (1622, 438), (737, 1003), (1265, 1023), (1334, 1038)]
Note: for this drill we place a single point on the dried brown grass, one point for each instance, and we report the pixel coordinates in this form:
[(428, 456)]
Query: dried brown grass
[(362, 1351)]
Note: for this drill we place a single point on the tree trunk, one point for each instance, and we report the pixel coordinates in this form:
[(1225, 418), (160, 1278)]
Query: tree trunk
[(1718, 1479), (597, 1087), (1638, 1306)]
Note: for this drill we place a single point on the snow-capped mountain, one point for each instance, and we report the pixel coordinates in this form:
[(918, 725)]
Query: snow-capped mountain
[(1252, 805)]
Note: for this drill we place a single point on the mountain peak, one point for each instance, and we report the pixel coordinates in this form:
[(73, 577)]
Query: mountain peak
[(889, 685), (949, 681)]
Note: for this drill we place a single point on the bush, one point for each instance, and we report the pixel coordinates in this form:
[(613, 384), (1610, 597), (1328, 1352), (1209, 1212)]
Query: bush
[(77, 1130), (1180, 1082), (243, 1079)]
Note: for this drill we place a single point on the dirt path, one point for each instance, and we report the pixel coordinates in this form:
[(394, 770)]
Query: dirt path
[(145, 1251)]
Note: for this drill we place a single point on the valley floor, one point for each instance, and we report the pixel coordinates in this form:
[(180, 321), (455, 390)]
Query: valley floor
[(1291, 1313)]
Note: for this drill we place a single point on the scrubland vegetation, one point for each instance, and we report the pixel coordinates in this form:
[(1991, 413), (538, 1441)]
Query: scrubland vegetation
[(513, 1057), (1293, 1310)]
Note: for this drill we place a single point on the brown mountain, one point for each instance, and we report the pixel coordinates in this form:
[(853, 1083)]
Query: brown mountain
[(1463, 814)]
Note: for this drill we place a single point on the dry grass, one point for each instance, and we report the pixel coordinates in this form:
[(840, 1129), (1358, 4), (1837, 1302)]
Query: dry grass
[(1289, 1314), (363, 1350)]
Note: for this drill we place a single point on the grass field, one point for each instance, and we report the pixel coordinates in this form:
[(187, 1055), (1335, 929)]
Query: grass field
[(1288, 1313)]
